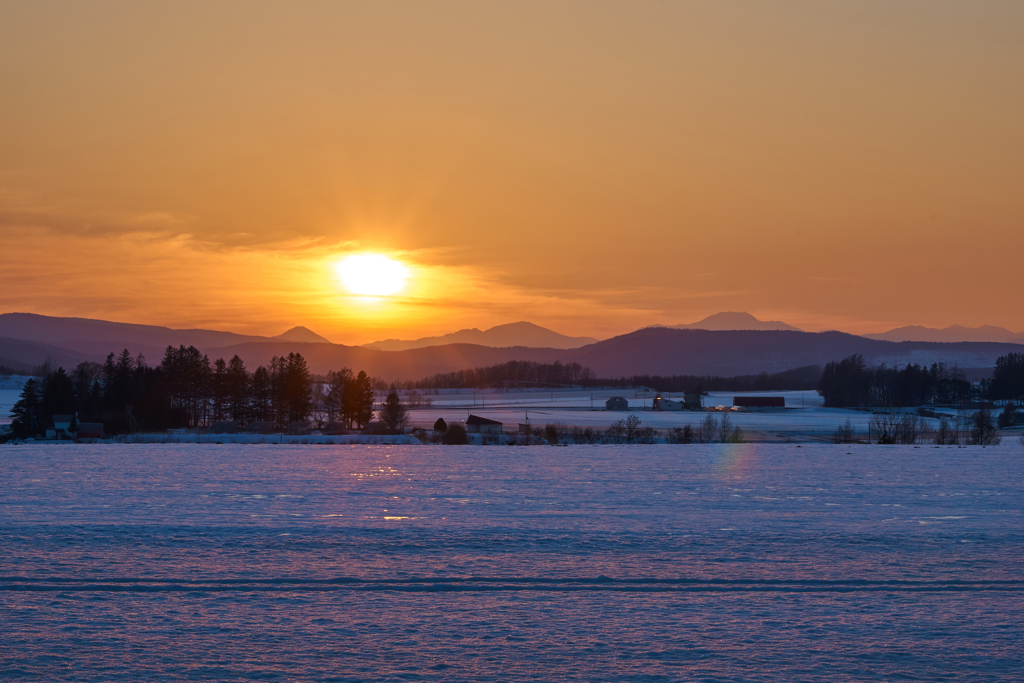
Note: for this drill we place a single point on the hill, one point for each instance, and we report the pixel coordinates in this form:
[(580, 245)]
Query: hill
[(735, 321), (65, 331), (954, 333), (655, 351), (512, 334), (668, 351)]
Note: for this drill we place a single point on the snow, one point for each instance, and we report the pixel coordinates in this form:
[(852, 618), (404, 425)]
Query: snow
[(804, 417), (315, 439), (757, 562)]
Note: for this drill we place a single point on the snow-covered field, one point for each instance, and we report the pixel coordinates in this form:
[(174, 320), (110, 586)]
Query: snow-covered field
[(757, 562), (803, 417)]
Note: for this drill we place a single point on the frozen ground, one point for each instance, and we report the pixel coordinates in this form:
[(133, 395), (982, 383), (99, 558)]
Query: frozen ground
[(758, 562)]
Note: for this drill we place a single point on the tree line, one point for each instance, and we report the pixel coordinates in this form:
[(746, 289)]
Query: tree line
[(517, 374), (850, 383), (798, 379), (188, 390), (514, 373)]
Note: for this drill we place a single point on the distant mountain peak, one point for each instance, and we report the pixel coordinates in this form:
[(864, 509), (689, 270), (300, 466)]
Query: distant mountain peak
[(732, 320), (303, 335)]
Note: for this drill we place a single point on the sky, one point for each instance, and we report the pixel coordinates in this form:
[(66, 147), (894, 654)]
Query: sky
[(590, 166)]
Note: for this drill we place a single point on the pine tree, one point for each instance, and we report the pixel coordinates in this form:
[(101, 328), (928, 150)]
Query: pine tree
[(25, 420), (392, 413), (238, 389), (219, 386), (337, 386), (359, 400), (56, 396), (298, 389), (261, 395)]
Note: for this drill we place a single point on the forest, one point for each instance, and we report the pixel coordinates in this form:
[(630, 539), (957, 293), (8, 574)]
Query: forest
[(187, 390), (850, 383)]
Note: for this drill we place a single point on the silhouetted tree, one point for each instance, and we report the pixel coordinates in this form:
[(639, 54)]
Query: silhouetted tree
[(1008, 378), (187, 375), (88, 390), (983, 433), (219, 390), (260, 405), (337, 390), (392, 413), (455, 435), (707, 430), (1008, 417), (846, 383), (359, 400), (845, 433), (278, 368), (512, 373), (25, 414), (298, 392), (57, 396), (238, 390), (683, 435)]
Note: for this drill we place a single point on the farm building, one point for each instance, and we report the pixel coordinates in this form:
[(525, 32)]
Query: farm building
[(90, 430), (298, 427), (62, 424), (667, 404), (694, 400), (261, 427), (481, 425), (616, 403), (759, 402)]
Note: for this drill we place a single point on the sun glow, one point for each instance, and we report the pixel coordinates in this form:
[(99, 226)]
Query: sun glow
[(372, 275)]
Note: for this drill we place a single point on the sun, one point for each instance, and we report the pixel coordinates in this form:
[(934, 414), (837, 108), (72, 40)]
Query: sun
[(372, 275)]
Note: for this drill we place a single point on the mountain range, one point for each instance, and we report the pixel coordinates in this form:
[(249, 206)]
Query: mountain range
[(954, 333), (31, 326), (512, 334), (28, 340)]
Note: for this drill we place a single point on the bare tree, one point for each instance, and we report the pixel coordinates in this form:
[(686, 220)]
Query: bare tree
[(615, 431), (632, 427), (725, 428), (707, 430), (844, 434), (893, 426), (983, 432), (945, 434), (685, 435), (645, 435)]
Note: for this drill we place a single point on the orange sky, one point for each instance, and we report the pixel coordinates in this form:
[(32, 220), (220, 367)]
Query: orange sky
[(589, 166)]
